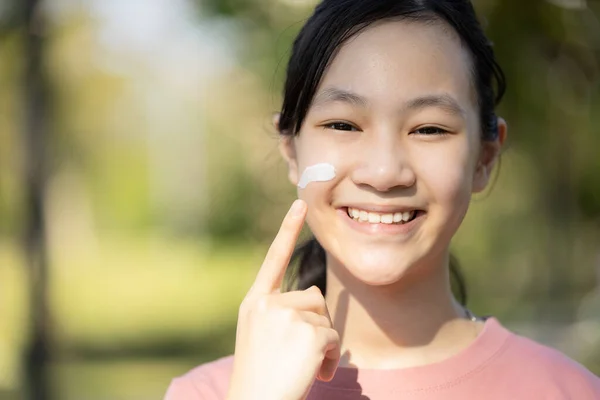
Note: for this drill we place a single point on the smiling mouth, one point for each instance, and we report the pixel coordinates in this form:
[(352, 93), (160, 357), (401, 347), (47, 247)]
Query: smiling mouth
[(369, 217)]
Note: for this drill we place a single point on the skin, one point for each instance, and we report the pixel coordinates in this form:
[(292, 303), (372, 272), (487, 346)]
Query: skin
[(389, 294), (283, 340)]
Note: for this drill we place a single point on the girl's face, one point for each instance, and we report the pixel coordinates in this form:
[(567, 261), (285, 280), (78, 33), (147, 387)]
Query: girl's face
[(396, 114)]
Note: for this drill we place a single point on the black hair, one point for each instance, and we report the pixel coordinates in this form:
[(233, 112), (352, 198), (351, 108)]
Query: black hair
[(335, 21)]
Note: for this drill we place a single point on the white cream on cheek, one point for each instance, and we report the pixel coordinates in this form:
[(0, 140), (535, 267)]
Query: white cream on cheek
[(321, 172)]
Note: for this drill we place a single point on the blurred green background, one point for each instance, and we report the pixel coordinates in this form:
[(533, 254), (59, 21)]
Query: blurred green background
[(140, 184)]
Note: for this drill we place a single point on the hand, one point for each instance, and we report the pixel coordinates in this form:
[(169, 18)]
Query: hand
[(284, 340)]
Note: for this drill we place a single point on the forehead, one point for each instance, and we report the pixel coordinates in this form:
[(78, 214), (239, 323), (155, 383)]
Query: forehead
[(394, 61)]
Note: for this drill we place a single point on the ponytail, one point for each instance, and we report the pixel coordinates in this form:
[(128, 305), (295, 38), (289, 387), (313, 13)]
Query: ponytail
[(311, 268)]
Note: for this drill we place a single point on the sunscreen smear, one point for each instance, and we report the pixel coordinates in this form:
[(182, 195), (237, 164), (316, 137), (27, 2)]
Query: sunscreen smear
[(321, 172)]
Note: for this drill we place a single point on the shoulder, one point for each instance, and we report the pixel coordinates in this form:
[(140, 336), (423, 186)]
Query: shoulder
[(537, 362), (209, 381)]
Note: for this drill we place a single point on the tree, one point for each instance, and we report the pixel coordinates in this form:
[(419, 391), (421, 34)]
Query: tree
[(27, 18)]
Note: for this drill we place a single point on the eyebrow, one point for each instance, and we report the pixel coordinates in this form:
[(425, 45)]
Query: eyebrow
[(443, 100), (332, 94)]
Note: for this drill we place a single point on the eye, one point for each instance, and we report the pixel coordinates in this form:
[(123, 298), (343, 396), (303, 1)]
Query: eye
[(431, 130), (340, 126)]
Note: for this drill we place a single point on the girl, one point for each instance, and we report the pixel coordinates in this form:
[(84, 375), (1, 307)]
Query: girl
[(387, 127)]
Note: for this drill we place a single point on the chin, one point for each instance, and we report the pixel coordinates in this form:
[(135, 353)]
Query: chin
[(377, 267)]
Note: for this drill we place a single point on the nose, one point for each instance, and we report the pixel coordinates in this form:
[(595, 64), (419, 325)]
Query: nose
[(384, 163)]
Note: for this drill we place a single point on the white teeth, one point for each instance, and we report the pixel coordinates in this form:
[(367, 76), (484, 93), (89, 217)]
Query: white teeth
[(387, 218), (376, 218), (363, 216)]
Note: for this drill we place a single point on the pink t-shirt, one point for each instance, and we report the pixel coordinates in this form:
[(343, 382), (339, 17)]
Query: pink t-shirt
[(498, 365)]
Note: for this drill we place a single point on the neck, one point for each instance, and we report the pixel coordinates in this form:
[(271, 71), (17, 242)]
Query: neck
[(413, 322)]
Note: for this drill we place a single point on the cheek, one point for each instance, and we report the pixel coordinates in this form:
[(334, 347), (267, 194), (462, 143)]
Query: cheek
[(451, 184), (317, 195), (447, 174), (313, 148)]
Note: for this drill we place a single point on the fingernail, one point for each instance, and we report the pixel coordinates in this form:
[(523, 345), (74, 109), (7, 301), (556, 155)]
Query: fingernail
[(297, 208)]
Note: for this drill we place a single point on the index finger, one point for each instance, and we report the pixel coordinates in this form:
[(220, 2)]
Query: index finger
[(272, 271)]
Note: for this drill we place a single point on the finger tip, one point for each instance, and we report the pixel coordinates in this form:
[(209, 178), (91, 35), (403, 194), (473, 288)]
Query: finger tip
[(301, 203), (326, 376), (298, 208)]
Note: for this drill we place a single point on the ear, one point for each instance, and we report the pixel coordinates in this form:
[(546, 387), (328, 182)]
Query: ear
[(287, 148), (490, 152), (275, 121)]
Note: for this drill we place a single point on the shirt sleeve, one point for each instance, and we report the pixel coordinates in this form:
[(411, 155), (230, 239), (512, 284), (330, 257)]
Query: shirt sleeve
[(184, 388), (594, 386)]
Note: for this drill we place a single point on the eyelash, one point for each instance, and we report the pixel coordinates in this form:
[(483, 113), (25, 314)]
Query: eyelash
[(332, 125), (438, 131), (426, 130)]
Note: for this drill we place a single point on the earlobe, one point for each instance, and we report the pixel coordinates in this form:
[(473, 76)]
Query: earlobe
[(490, 152), (502, 131), (480, 179), (287, 148), (275, 121)]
